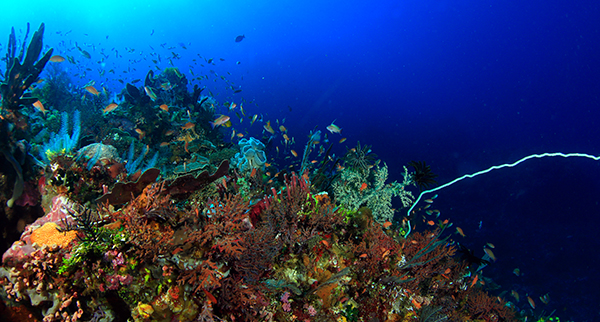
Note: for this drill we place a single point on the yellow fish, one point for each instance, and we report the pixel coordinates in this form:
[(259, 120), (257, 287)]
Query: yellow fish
[(57, 59), (269, 128), (110, 107), (188, 126), (221, 120), (334, 128), (92, 90), (40, 107), (490, 253), (150, 93)]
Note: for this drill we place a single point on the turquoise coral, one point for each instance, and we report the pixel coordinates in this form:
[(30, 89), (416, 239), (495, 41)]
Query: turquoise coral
[(357, 188), (251, 155)]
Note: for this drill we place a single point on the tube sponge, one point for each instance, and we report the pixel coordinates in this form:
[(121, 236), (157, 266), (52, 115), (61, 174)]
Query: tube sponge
[(62, 143)]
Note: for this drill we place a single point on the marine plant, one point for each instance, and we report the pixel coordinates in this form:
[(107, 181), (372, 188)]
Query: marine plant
[(22, 72)]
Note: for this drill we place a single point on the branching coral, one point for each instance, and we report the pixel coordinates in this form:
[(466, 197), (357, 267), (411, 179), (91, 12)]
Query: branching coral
[(355, 188)]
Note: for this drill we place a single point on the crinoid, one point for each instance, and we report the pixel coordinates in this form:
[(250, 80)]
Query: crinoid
[(423, 177), (360, 158)]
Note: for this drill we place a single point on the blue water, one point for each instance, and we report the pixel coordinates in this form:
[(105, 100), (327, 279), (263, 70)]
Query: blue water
[(462, 85)]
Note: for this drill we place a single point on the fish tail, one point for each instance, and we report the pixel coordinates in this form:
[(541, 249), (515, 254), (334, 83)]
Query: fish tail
[(213, 124)]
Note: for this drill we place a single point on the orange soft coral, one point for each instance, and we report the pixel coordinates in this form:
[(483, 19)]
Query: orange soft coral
[(49, 235)]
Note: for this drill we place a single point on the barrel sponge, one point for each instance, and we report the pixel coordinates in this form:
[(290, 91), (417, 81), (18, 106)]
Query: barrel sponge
[(251, 155)]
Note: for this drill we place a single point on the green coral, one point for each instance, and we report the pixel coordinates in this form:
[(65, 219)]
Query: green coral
[(356, 188)]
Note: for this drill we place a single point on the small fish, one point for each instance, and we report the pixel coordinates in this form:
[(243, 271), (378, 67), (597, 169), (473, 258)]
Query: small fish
[(57, 59), (254, 119), (531, 302), (490, 245), (221, 120), (342, 140), (239, 38), (40, 107), (514, 294), (237, 91), (163, 144), (140, 132), (334, 128), (294, 153), (475, 280), (282, 128), (188, 126), (92, 90), (363, 186), (385, 254), (240, 135), (545, 298), (269, 128), (430, 222), (224, 183), (517, 271), (428, 200), (110, 107), (386, 224), (150, 93), (460, 232), (489, 253), (83, 52), (164, 107)]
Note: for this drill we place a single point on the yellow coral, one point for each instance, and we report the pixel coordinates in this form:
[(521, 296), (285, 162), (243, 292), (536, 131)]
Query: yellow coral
[(49, 235), (145, 310)]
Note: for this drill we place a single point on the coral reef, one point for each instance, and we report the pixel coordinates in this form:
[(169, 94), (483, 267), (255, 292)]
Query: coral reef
[(182, 236)]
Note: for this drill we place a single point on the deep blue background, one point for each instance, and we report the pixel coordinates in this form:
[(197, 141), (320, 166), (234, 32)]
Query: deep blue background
[(462, 85)]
